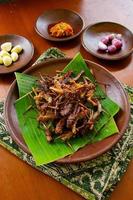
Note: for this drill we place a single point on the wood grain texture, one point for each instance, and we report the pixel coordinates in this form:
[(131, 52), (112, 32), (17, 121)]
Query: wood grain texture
[(17, 179)]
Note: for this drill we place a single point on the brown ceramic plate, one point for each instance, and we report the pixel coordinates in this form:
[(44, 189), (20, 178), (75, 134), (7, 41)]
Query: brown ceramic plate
[(93, 34), (51, 17), (24, 57), (114, 91)]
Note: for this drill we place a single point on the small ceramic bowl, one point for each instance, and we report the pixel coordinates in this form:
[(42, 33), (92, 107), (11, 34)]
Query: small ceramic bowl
[(24, 57), (52, 17), (94, 33)]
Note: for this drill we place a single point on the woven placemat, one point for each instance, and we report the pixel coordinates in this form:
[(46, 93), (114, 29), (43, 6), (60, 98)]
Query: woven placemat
[(93, 179)]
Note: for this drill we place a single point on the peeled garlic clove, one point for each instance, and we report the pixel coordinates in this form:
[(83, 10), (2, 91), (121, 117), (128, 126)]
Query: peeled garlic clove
[(17, 49), (6, 46), (1, 60), (7, 60), (4, 53), (14, 56)]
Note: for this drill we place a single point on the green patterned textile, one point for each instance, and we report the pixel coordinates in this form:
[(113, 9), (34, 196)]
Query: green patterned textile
[(94, 179)]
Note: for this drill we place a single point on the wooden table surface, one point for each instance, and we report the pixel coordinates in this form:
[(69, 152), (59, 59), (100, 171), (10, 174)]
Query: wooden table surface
[(17, 179)]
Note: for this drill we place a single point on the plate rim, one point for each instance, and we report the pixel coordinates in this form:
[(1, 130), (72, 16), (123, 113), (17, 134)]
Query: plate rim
[(32, 52), (99, 55), (62, 161)]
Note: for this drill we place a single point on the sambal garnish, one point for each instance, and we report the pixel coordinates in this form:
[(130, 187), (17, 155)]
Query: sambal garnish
[(61, 29)]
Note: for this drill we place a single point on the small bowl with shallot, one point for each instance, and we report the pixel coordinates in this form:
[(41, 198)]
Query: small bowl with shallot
[(59, 25), (108, 40)]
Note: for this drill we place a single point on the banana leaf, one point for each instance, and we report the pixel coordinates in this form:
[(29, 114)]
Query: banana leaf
[(106, 131), (25, 83), (42, 151), (34, 135), (110, 108)]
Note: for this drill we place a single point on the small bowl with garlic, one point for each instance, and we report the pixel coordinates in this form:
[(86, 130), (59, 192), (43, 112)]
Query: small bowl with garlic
[(9, 54), (15, 52)]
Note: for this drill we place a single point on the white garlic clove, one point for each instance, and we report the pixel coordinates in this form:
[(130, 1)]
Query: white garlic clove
[(7, 60), (17, 49), (1, 60), (4, 53), (6, 46), (14, 56)]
